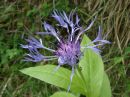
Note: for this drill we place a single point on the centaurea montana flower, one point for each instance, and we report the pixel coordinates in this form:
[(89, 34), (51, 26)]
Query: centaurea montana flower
[(69, 49)]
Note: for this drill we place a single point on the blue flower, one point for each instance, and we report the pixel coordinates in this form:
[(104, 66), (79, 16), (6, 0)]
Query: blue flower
[(68, 49)]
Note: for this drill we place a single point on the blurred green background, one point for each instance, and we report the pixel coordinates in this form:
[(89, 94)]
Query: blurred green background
[(20, 18)]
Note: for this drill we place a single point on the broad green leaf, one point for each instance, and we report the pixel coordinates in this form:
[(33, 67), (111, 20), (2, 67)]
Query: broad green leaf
[(105, 89), (62, 94), (60, 78), (92, 70), (85, 41)]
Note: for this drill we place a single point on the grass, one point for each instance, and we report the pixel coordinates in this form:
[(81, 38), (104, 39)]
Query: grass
[(19, 18)]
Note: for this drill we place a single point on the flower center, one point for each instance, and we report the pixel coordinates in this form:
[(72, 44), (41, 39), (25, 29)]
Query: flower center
[(68, 53)]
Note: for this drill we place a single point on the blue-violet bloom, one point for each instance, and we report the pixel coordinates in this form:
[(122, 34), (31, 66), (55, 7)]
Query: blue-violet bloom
[(68, 49)]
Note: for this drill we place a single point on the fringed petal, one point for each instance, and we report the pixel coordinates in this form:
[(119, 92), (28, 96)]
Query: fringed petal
[(59, 18), (83, 31), (51, 30), (33, 43), (34, 56)]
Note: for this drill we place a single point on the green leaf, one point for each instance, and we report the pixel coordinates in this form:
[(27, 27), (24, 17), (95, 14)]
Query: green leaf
[(105, 89), (92, 70), (85, 41), (62, 94), (60, 78)]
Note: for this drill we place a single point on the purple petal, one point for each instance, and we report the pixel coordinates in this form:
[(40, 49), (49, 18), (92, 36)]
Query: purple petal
[(51, 30), (105, 42), (65, 17), (33, 43), (99, 36), (90, 25), (83, 31), (95, 49), (77, 20), (59, 18), (34, 56)]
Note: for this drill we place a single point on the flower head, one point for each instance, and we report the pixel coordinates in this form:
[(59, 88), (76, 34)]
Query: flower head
[(68, 49), (68, 53)]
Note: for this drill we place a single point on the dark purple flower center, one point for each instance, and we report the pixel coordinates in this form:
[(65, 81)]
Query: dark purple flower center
[(68, 53)]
